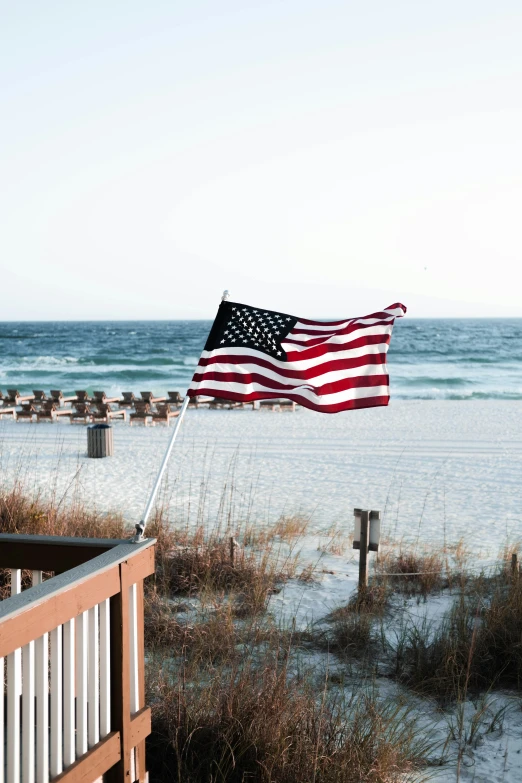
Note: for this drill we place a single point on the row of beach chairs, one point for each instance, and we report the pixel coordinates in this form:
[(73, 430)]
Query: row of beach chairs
[(39, 397), (81, 408)]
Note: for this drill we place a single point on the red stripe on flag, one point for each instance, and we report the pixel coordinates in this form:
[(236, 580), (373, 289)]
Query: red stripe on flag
[(337, 407), (359, 382), (322, 350), (378, 314)]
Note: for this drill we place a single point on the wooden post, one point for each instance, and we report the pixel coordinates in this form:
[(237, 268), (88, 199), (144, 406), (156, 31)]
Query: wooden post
[(120, 678), (363, 551), (514, 565), (232, 551), (140, 749)]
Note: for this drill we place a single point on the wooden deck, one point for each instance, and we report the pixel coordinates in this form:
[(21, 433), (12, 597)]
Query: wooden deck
[(72, 660)]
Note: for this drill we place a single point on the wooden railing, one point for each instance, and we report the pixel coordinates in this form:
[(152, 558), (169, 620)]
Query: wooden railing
[(72, 706)]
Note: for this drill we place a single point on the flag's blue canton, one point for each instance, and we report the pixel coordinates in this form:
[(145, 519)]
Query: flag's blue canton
[(238, 326)]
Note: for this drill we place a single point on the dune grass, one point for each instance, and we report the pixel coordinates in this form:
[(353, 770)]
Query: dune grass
[(477, 646), (21, 512), (229, 702), (252, 719), (411, 572)]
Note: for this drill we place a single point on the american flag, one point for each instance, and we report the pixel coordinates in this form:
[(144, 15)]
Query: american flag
[(329, 366)]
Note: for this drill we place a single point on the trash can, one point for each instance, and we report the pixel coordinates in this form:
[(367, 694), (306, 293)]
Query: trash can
[(99, 440)]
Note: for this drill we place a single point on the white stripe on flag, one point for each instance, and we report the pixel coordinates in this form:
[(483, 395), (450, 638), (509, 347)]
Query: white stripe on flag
[(318, 380)]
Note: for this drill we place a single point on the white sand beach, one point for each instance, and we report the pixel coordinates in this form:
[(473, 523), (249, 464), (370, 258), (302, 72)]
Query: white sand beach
[(440, 472), (437, 470)]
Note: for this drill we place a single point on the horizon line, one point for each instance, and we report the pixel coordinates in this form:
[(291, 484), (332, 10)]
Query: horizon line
[(319, 318)]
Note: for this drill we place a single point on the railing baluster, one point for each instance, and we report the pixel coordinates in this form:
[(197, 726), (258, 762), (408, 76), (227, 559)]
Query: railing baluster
[(105, 668), (81, 684), (133, 633), (16, 581), (42, 700), (69, 722), (134, 681), (140, 748), (28, 714), (93, 679), (56, 702), (14, 690)]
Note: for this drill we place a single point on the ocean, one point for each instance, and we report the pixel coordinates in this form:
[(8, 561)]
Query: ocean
[(453, 359)]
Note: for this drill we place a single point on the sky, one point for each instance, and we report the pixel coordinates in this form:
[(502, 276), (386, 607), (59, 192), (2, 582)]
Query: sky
[(321, 158)]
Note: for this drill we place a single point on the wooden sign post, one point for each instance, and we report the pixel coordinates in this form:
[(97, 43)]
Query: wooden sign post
[(366, 539), (363, 553)]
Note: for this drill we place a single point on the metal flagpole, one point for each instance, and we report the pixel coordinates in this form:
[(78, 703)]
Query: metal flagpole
[(140, 526)]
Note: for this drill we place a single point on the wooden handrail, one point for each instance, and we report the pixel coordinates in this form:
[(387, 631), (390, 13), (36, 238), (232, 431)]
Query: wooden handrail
[(93, 764), (51, 553), (39, 609)]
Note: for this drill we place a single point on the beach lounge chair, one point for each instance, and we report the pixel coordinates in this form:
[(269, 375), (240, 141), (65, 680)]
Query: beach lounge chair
[(148, 397), (142, 412), (164, 413), (127, 401), (27, 412), (100, 396), (82, 396), (198, 400), (104, 412), (6, 406), (15, 398), (272, 404), (81, 413), (175, 398), (7, 411), (222, 402), (283, 405), (46, 411), (39, 396), (58, 398), (50, 411)]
